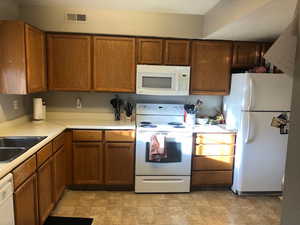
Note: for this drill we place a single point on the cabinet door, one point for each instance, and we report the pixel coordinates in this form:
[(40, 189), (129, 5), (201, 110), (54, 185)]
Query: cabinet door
[(211, 64), (45, 190), (246, 54), (211, 178), (150, 51), (69, 62), (59, 173), (35, 58), (114, 64), (68, 145), (177, 52), (88, 163), (26, 204), (12, 58), (119, 160)]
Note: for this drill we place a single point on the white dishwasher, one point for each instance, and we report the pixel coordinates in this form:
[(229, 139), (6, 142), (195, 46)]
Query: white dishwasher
[(6, 201)]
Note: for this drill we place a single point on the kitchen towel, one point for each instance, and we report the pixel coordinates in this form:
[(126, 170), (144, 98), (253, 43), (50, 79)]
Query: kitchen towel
[(157, 148)]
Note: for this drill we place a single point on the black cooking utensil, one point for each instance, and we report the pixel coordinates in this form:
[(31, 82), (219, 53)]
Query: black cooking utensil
[(117, 103), (128, 109)]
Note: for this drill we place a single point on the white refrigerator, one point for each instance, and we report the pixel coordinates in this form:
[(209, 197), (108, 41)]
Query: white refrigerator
[(260, 148)]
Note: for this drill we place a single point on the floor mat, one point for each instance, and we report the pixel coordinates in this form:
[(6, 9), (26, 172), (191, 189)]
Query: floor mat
[(55, 220)]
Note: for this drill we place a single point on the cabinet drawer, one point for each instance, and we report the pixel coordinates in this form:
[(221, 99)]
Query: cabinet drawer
[(120, 135), (25, 170), (215, 139), (87, 135), (58, 142), (206, 178), (214, 150), (43, 154), (213, 163)]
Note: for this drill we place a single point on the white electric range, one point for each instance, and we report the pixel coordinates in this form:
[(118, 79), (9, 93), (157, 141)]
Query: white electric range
[(171, 174)]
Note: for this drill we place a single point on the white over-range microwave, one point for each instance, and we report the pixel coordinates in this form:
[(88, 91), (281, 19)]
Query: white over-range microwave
[(163, 80)]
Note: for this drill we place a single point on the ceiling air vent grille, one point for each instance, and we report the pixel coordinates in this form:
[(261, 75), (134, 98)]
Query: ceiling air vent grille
[(75, 18)]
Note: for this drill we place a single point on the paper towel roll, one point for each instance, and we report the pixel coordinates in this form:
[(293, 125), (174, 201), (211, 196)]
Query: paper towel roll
[(37, 109)]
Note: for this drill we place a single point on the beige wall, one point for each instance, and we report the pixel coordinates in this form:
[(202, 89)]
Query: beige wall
[(9, 10), (96, 102), (228, 11), (115, 22), (291, 206)]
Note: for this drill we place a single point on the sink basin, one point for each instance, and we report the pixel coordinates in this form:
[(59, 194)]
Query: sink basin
[(21, 141), (9, 154), (12, 147)]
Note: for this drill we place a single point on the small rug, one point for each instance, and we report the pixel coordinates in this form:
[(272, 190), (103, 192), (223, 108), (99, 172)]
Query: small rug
[(55, 220)]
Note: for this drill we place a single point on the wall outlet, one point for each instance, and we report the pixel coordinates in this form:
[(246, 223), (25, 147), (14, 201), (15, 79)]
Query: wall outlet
[(78, 103), (15, 104)]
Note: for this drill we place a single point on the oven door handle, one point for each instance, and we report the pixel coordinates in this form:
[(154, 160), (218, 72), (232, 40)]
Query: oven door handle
[(170, 180), (161, 133)]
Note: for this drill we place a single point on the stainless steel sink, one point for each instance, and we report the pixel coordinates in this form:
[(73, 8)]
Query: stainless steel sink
[(9, 154), (12, 147)]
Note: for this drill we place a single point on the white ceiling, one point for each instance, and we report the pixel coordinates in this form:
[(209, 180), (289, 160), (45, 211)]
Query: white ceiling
[(198, 7)]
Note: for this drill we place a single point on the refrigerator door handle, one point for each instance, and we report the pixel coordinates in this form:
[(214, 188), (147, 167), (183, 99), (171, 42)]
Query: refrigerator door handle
[(247, 139), (250, 129), (250, 93)]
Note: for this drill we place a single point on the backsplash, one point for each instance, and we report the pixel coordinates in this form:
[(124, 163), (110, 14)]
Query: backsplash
[(7, 110), (100, 102)]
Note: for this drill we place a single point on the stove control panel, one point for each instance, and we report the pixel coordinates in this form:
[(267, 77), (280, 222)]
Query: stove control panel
[(160, 109)]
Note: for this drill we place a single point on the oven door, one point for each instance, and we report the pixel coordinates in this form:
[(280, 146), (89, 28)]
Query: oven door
[(179, 151), (156, 83)]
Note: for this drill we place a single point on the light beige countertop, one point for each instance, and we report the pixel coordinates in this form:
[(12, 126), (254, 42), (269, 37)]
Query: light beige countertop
[(56, 123), (212, 129), (51, 128)]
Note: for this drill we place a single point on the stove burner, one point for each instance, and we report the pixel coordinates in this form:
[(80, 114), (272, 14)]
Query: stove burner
[(175, 123), (145, 123), (148, 125), (179, 126)]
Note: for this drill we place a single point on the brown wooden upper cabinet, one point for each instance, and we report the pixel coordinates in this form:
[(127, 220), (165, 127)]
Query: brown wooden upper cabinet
[(211, 64), (22, 61), (114, 64), (177, 52), (150, 51), (264, 48), (163, 52), (246, 55), (69, 62)]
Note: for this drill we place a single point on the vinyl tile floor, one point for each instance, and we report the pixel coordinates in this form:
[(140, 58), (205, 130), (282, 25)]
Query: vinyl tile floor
[(196, 208)]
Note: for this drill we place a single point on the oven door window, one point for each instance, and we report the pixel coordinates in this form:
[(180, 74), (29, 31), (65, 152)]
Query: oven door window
[(173, 150), (157, 82)]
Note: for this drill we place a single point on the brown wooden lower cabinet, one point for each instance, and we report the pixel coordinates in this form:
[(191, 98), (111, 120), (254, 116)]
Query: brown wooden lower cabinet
[(214, 149), (212, 163), (45, 176), (211, 178), (24, 171), (59, 161), (69, 156), (26, 203), (88, 163), (119, 163)]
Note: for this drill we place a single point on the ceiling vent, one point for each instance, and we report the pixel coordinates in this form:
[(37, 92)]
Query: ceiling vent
[(75, 18)]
